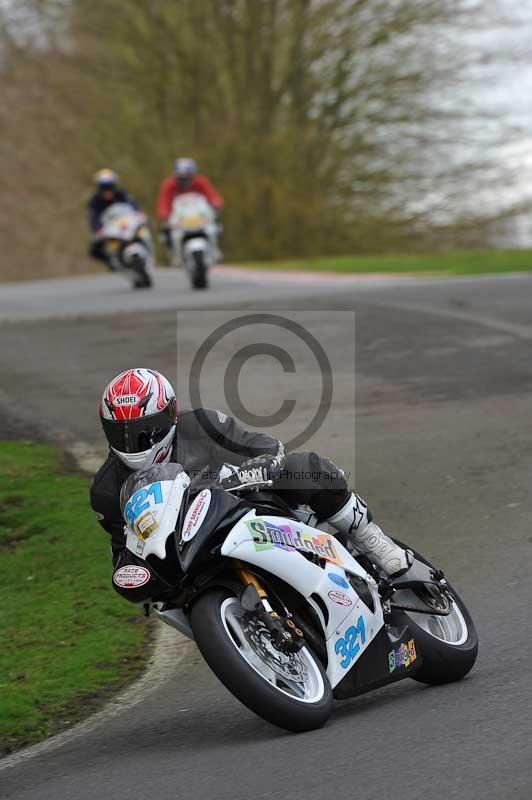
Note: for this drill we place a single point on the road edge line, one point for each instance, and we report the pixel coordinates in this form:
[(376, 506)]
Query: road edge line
[(168, 650)]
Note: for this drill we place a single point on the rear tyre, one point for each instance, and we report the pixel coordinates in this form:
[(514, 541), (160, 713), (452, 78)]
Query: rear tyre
[(449, 645), (292, 692), (199, 270), (444, 662)]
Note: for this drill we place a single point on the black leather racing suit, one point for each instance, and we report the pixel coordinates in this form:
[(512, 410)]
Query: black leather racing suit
[(204, 441), (96, 206)]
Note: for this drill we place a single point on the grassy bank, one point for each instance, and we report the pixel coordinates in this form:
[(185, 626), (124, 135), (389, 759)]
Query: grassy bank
[(67, 639), (454, 263)]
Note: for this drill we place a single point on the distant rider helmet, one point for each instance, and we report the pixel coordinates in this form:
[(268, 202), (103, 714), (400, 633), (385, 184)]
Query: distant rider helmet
[(185, 169), (106, 181), (139, 415)]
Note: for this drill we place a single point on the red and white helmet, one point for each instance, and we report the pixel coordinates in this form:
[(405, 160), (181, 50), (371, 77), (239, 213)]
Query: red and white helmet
[(139, 415)]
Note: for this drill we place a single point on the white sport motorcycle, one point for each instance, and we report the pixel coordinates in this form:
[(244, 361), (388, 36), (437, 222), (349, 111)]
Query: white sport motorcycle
[(193, 235), (284, 615), (127, 243)]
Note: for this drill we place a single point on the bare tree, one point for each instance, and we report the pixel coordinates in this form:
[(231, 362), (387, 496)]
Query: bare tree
[(330, 125)]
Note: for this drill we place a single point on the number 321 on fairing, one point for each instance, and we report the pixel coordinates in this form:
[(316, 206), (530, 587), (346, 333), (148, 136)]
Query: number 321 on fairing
[(348, 646)]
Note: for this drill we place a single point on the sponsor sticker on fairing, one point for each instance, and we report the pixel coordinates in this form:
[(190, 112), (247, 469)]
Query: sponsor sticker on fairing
[(340, 598), (290, 537), (402, 656), (338, 580), (195, 515), (145, 525), (131, 577), (347, 647)]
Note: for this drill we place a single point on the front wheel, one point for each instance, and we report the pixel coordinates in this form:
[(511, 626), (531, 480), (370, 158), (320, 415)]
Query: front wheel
[(142, 279), (144, 282), (198, 274), (291, 691)]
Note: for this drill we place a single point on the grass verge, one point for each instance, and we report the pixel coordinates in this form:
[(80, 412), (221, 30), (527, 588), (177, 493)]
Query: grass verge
[(68, 640), (453, 263)]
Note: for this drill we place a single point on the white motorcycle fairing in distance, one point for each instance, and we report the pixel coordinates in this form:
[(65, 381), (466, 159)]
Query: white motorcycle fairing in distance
[(125, 233), (193, 228)]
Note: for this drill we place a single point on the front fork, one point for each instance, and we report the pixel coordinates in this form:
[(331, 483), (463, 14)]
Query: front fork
[(286, 636)]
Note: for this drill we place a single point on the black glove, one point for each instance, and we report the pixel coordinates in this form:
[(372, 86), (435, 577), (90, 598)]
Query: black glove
[(262, 468), (255, 470)]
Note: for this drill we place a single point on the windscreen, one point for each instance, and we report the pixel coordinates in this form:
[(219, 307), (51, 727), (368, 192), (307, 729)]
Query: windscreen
[(144, 477), (191, 204), (115, 211)]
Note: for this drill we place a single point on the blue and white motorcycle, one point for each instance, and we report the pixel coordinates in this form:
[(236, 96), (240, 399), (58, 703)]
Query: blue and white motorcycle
[(127, 243), (285, 616)]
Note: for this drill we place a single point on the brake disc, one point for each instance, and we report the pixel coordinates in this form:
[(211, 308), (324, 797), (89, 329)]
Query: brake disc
[(288, 665)]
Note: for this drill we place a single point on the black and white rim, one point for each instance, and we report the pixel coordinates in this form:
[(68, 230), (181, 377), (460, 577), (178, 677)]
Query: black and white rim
[(451, 629), (295, 675)]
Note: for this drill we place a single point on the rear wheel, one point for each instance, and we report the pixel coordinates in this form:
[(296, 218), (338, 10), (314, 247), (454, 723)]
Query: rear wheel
[(290, 690), (449, 644)]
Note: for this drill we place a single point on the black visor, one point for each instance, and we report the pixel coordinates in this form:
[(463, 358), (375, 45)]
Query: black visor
[(140, 434)]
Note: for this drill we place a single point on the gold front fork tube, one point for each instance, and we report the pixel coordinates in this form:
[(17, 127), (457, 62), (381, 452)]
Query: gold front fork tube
[(248, 578)]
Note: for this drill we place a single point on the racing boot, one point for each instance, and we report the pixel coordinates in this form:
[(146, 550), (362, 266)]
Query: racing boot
[(365, 536)]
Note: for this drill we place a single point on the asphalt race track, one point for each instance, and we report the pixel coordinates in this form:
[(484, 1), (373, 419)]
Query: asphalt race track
[(443, 455)]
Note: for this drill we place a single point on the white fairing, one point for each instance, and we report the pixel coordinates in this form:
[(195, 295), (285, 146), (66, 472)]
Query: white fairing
[(275, 545), (196, 515), (151, 515), (121, 223), (192, 227), (137, 250)]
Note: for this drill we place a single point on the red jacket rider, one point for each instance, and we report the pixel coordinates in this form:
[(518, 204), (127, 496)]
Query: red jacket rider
[(185, 179)]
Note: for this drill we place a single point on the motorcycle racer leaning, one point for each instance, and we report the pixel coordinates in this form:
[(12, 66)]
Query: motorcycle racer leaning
[(107, 192), (185, 179), (143, 427)]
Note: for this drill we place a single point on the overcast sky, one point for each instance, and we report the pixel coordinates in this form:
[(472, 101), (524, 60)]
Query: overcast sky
[(508, 80), (507, 90)]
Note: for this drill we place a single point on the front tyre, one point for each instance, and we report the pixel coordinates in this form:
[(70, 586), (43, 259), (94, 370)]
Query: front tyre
[(144, 282), (142, 278), (199, 270), (291, 691)]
